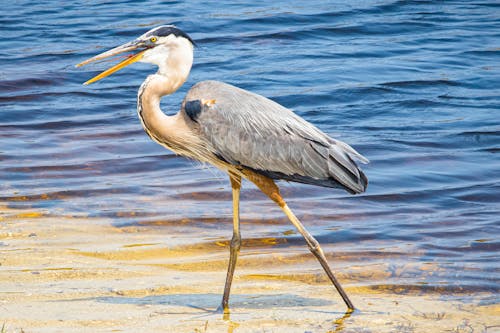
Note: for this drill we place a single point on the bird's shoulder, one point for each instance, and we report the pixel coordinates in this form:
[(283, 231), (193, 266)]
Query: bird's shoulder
[(231, 105), (234, 99), (204, 89)]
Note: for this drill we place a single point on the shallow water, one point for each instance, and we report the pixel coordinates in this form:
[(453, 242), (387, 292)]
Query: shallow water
[(412, 85)]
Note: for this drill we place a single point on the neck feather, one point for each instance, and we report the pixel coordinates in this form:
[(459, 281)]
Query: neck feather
[(177, 65), (172, 73), (159, 126), (171, 131)]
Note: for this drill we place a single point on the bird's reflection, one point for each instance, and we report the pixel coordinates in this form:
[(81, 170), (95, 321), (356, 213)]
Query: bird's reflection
[(338, 323)]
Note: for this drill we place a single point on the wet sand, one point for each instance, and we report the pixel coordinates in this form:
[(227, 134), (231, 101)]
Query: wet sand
[(72, 274)]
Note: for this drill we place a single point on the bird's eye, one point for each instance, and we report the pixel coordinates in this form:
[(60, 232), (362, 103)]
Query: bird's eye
[(153, 39)]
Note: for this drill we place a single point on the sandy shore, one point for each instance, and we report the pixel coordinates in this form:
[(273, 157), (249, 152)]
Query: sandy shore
[(69, 274)]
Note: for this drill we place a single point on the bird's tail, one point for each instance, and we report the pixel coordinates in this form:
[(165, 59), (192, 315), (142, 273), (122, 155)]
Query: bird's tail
[(343, 168)]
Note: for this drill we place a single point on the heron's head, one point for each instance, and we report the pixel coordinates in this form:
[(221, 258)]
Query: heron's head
[(155, 47)]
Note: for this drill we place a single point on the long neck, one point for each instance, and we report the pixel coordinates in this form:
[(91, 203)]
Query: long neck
[(168, 130)]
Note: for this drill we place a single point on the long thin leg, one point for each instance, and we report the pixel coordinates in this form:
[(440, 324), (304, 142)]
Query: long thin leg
[(235, 241), (268, 186), (318, 253)]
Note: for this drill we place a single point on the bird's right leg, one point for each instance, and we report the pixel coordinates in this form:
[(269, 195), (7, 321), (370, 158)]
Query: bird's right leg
[(235, 245), (268, 186)]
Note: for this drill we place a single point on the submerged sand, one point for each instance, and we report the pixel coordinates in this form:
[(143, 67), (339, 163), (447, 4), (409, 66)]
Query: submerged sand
[(71, 274)]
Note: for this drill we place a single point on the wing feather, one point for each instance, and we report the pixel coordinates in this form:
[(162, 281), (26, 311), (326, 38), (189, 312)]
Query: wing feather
[(252, 131)]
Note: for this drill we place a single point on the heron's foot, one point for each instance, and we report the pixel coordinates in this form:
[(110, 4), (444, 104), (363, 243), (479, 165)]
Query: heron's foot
[(224, 311)]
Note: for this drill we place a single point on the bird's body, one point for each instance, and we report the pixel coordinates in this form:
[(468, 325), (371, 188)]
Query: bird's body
[(242, 133), (241, 129)]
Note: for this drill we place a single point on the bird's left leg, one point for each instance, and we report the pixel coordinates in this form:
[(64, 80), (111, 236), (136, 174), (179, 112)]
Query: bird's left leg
[(235, 245), (268, 186)]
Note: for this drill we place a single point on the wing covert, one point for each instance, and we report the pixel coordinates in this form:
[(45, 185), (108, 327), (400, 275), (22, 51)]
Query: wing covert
[(255, 132)]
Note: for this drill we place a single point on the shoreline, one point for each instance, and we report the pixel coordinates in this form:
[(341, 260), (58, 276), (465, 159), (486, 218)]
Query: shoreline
[(73, 275)]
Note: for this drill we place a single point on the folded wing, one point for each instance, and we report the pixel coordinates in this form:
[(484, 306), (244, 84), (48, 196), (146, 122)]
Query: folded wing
[(251, 131)]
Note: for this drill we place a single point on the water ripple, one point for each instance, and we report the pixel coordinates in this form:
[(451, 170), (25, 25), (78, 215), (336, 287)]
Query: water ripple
[(410, 84)]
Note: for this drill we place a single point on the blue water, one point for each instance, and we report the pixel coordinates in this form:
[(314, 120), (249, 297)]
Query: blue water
[(412, 85)]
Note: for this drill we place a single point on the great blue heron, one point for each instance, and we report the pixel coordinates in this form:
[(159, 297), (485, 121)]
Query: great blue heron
[(239, 132)]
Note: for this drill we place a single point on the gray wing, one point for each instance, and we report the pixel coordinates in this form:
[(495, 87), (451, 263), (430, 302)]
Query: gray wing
[(252, 131)]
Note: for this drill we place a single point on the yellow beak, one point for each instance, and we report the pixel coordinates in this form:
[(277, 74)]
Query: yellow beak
[(113, 52)]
